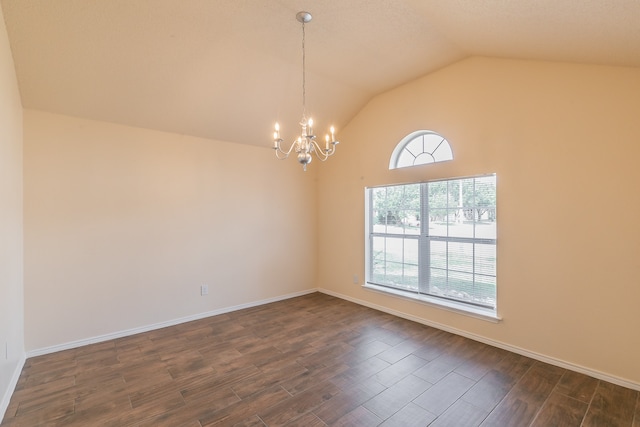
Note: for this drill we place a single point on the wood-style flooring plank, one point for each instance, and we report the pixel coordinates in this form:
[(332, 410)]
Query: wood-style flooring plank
[(561, 410), (394, 398), (298, 405), (494, 386), (525, 399), (611, 405), (444, 393), (411, 415), (461, 414), (578, 386), (359, 417), (312, 361), (239, 411), (350, 398)]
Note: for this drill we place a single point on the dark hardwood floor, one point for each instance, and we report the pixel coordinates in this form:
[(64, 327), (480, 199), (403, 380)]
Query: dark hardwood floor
[(309, 361)]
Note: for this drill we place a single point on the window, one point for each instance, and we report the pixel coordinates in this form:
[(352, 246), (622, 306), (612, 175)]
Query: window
[(435, 241), (419, 148)]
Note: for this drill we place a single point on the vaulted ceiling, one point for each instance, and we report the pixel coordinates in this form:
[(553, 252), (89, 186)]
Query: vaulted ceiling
[(227, 69)]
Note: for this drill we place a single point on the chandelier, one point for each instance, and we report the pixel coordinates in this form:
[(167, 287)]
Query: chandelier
[(305, 145)]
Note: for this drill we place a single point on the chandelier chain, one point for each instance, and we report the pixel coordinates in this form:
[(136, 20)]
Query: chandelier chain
[(304, 86)]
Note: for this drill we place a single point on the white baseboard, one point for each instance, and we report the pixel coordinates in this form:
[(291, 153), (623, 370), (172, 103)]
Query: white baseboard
[(6, 398), (147, 328), (514, 349), (533, 355)]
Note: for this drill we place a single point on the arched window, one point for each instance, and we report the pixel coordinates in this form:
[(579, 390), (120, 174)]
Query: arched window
[(419, 148)]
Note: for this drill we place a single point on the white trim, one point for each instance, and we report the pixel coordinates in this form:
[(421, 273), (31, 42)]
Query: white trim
[(514, 349), (147, 328), (533, 355), (459, 308), (6, 399)]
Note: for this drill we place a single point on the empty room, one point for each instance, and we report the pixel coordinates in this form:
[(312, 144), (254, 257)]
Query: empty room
[(319, 213)]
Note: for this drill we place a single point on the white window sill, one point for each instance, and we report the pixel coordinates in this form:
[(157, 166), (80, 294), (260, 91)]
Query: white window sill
[(464, 309)]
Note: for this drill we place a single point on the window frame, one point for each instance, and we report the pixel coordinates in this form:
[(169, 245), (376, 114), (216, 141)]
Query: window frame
[(424, 241)]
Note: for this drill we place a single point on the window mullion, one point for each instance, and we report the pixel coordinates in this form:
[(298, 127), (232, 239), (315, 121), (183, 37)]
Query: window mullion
[(370, 231), (424, 249)]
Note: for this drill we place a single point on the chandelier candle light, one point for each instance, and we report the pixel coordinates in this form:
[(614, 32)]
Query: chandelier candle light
[(306, 143)]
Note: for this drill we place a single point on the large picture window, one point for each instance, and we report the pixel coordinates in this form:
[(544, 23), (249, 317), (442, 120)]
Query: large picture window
[(435, 239)]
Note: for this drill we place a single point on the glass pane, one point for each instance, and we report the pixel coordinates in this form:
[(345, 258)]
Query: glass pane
[(378, 247), (437, 281), (406, 159), (454, 196), (411, 197), (377, 276), (411, 221), (432, 141), (394, 272), (437, 195), (411, 251), (452, 284), (396, 209), (485, 196), (393, 249), (485, 293), (410, 280), (485, 191), (486, 229), (468, 195), (378, 202), (460, 286), (458, 225), (415, 146), (485, 262), (443, 152), (379, 223), (460, 256), (438, 222), (423, 159), (378, 260), (438, 254)]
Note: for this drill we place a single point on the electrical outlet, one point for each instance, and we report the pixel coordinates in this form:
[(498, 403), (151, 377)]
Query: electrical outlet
[(204, 290), (356, 279)]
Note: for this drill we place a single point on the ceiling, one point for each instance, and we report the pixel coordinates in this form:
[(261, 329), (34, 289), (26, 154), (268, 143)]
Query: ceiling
[(228, 69)]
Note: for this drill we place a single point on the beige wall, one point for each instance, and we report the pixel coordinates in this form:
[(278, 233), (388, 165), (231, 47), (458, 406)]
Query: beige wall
[(11, 279), (123, 225), (564, 141)]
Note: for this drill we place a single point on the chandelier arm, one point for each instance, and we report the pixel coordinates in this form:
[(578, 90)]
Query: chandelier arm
[(320, 153), (332, 150), (281, 154)]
